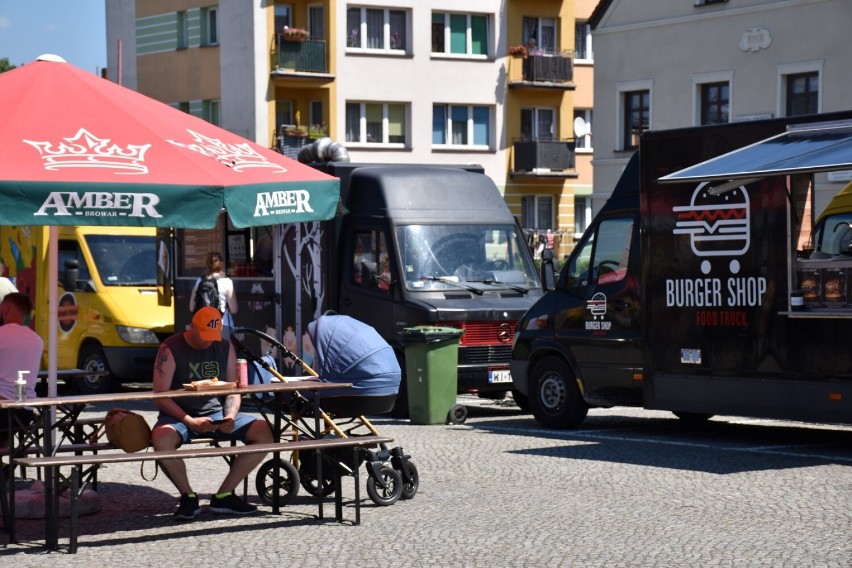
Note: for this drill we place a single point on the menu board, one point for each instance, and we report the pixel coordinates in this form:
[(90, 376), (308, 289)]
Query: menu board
[(197, 243)]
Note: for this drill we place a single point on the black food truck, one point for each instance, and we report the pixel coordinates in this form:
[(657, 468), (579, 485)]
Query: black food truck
[(697, 288), (411, 245)]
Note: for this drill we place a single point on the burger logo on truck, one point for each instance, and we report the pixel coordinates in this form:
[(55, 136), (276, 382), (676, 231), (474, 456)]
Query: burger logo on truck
[(718, 225)]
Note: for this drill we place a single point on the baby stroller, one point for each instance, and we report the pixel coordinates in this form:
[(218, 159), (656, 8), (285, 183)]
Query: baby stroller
[(346, 351)]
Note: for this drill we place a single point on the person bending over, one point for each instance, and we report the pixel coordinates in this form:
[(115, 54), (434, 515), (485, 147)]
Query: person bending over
[(196, 354)]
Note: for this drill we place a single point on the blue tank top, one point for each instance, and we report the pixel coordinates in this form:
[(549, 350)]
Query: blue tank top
[(196, 365)]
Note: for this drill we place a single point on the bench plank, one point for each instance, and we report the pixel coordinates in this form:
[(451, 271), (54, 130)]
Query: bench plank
[(213, 451)]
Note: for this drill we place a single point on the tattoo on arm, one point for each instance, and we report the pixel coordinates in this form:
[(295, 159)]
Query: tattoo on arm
[(232, 404)]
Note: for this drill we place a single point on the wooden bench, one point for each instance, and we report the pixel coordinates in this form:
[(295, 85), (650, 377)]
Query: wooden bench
[(322, 444)]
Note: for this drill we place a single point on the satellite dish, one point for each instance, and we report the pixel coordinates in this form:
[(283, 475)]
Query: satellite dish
[(581, 127)]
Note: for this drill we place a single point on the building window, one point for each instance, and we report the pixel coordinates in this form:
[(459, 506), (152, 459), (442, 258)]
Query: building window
[(460, 34), (461, 125), (543, 30), (283, 113), (376, 123), (636, 120), (182, 30), (802, 94), (537, 212), (316, 22), (583, 42), (283, 17), (538, 123), (715, 103), (211, 111), (582, 215), (376, 29), (317, 118), (210, 26), (583, 130)]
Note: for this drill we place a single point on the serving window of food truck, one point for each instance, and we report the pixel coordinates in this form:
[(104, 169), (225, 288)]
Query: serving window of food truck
[(819, 268), (248, 255)]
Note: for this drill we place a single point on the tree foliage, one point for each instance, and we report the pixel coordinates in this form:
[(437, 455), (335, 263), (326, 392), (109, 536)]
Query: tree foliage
[(5, 65)]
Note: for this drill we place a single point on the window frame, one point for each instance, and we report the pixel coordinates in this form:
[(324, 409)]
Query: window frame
[(533, 26), (622, 128), (704, 105), (210, 21), (803, 68), (586, 148), (536, 198), (470, 126), (363, 128), (536, 120), (316, 11), (386, 31), (447, 30), (583, 36), (810, 97), (182, 25)]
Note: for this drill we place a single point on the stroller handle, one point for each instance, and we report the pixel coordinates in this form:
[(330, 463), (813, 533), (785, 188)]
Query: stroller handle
[(287, 353)]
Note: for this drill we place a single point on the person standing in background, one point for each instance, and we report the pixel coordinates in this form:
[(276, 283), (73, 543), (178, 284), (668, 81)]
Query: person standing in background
[(227, 295)]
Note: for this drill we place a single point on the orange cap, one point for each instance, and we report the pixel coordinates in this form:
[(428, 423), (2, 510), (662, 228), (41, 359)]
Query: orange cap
[(208, 322)]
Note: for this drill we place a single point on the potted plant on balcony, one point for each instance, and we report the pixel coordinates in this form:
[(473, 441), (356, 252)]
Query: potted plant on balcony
[(296, 131), (317, 131), (294, 34), (519, 51)]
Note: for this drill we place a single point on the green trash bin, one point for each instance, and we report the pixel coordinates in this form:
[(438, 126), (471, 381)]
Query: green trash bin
[(431, 370)]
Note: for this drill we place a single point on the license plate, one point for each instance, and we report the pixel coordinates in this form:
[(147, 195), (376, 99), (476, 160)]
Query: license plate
[(499, 376)]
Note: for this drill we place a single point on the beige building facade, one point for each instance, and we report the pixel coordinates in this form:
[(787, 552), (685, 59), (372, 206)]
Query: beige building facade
[(394, 81), (678, 63)]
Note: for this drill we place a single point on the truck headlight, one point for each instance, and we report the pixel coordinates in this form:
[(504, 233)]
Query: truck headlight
[(136, 334)]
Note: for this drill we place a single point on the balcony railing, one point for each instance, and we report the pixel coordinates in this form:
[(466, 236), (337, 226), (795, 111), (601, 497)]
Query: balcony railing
[(552, 69), (544, 155), (309, 56)]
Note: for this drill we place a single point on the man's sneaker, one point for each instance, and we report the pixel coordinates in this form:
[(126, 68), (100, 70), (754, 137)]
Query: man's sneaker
[(231, 505), (188, 507)]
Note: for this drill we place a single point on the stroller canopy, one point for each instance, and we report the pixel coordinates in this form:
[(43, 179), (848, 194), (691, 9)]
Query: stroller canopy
[(349, 351)]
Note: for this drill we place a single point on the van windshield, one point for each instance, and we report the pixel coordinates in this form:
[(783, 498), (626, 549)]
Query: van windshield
[(124, 260), (478, 257), (833, 235)]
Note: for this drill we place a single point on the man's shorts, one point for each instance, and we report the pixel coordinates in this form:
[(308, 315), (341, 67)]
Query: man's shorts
[(242, 422)]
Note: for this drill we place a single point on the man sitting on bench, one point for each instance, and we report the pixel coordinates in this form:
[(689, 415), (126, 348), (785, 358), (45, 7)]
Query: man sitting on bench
[(200, 353)]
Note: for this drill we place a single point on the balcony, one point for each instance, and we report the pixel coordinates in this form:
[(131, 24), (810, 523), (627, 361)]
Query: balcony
[(308, 56), (553, 71), (535, 158)]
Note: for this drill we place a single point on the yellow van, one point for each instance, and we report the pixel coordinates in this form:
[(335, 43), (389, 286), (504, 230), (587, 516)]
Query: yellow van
[(109, 316)]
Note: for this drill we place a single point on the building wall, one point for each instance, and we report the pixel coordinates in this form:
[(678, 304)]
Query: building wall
[(420, 80), (708, 43)]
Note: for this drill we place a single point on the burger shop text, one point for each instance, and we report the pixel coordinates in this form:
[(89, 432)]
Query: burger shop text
[(708, 292)]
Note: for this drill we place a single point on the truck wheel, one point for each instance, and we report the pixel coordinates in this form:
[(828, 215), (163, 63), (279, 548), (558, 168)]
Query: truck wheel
[(92, 358), (555, 398)]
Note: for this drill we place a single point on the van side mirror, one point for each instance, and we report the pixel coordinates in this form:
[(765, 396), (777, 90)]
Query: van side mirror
[(70, 275), (548, 272)]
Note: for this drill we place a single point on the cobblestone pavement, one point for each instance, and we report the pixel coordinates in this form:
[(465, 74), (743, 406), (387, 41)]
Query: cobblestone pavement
[(631, 488)]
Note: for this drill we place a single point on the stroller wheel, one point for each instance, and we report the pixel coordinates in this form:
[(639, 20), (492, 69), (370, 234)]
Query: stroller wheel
[(457, 414), (288, 482), (409, 489), (392, 490), (308, 477)]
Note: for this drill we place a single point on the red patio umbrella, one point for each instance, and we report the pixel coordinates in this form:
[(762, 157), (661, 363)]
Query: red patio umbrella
[(76, 149)]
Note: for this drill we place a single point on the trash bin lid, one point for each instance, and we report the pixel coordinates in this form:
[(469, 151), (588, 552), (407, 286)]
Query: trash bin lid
[(430, 334)]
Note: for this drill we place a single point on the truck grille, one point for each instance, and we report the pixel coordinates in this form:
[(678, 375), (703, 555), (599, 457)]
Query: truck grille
[(494, 333), (497, 355)]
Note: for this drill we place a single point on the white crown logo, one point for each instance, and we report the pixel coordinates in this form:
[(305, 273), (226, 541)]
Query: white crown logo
[(239, 157), (85, 150)]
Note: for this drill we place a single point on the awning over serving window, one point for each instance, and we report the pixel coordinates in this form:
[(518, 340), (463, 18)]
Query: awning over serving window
[(802, 149)]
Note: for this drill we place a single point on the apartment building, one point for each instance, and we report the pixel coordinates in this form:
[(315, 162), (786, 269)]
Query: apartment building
[(404, 81), (678, 63)]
